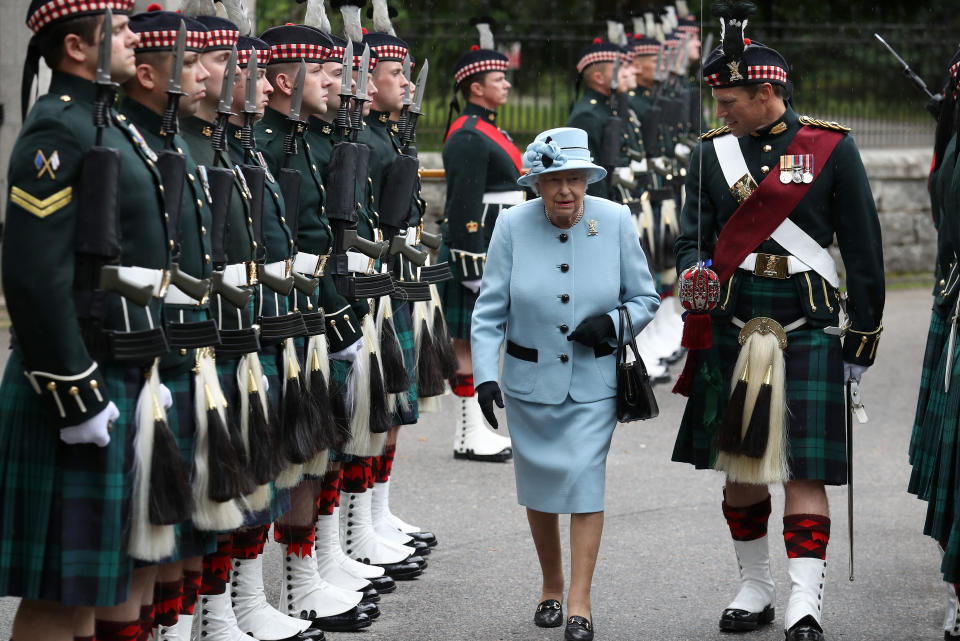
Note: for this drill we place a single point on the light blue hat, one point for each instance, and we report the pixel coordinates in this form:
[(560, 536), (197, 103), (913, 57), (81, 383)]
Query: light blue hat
[(560, 149)]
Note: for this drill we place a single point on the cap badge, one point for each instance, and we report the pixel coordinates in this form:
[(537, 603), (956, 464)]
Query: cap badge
[(734, 67)]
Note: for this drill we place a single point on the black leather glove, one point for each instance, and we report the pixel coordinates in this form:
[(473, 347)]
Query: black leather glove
[(487, 394), (593, 331)]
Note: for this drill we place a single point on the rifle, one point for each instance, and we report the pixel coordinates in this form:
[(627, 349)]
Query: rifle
[(935, 101)]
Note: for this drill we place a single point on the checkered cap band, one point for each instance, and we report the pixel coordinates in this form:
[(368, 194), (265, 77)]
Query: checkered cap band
[(477, 67), (688, 28), (165, 39), (388, 53), (337, 54), (56, 9), (754, 72), (954, 70), (221, 38), (294, 52), (263, 56), (646, 50), (596, 56)]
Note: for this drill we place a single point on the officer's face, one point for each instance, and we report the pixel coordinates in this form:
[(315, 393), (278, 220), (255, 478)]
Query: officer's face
[(645, 68), (215, 62), (562, 192), (123, 63), (388, 77), (194, 77), (316, 87), (495, 89), (739, 111)]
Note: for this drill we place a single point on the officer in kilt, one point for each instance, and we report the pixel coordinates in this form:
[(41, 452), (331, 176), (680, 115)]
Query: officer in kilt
[(84, 338), (932, 443), (783, 421), (482, 166)]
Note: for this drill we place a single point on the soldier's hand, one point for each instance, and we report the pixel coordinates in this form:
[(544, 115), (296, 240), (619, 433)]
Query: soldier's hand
[(488, 393), (94, 430), (852, 372), (472, 285), (166, 398), (348, 354), (593, 331)]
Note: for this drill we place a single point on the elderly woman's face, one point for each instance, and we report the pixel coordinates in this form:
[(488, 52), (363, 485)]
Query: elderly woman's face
[(563, 191)]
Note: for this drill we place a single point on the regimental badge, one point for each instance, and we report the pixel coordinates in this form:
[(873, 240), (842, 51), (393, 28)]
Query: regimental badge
[(327, 129), (796, 168), (207, 131), (743, 188), (778, 128), (263, 163), (734, 67), (473, 226), (591, 227), (46, 165), (144, 147)]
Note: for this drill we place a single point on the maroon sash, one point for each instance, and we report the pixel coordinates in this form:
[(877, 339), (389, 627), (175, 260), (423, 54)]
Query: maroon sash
[(493, 134), (770, 203)]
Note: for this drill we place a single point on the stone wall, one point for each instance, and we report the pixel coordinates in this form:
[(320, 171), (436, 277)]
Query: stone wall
[(898, 178)]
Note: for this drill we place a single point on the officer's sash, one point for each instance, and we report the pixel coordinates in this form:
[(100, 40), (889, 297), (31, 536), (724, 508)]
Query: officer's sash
[(493, 134), (766, 209)]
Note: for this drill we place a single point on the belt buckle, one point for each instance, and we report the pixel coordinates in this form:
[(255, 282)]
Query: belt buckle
[(771, 266), (251, 272), (287, 267)]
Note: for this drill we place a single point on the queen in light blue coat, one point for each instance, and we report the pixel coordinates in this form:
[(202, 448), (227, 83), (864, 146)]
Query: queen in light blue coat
[(557, 269)]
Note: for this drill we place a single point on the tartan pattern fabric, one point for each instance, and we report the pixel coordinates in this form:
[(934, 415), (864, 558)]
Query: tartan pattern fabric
[(56, 9), (329, 496), (146, 621), (816, 421), (596, 56), (263, 56), (168, 599), (297, 538), (747, 523), (462, 385), (754, 72), (490, 64), (292, 52), (806, 535), (118, 630), (457, 301), (338, 51), (388, 52), (65, 508), (646, 50), (925, 436), (356, 475), (191, 586), (248, 542), (221, 39), (165, 39), (384, 464), (216, 569), (402, 323)]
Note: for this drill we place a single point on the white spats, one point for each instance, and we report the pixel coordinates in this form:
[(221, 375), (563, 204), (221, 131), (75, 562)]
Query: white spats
[(807, 577), (757, 589)]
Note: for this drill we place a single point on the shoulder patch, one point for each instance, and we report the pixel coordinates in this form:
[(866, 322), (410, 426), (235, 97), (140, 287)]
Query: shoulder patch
[(41, 208), (823, 124), (713, 133)]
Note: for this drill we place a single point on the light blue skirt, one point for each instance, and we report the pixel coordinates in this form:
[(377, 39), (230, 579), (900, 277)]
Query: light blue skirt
[(560, 453)]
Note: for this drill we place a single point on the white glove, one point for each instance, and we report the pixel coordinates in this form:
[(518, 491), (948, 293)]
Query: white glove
[(266, 382), (94, 430), (680, 150), (472, 285), (349, 354), (166, 398), (852, 372)]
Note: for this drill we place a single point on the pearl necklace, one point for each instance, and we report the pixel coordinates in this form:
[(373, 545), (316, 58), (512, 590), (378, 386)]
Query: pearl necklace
[(575, 220)]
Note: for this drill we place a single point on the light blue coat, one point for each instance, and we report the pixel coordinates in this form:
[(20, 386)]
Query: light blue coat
[(521, 299)]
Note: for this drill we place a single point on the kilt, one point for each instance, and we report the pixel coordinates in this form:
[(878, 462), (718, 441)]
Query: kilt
[(182, 418), (457, 301), (338, 376), (269, 355), (403, 325), (925, 437), (816, 420), (65, 508)]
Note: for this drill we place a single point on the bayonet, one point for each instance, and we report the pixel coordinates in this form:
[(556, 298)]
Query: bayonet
[(250, 112), (219, 137), (405, 101), (170, 125), (414, 112), (106, 87), (933, 106), (293, 118), (344, 120), (361, 96)]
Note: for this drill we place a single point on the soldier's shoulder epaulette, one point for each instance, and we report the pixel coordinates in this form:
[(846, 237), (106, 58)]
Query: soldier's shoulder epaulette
[(713, 133), (823, 124)]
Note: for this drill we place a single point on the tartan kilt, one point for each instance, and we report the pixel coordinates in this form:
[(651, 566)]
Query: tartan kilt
[(227, 369), (925, 436), (816, 410), (338, 376), (65, 508), (403, 325), (457, 301), (182, 418)]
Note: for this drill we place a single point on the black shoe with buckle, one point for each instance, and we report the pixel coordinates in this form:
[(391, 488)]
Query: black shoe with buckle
[(806, 629), (733, 620), (549, 614), (578, 629)]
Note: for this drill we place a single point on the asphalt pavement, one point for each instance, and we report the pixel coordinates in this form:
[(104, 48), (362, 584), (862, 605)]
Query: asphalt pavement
[(666, 568)]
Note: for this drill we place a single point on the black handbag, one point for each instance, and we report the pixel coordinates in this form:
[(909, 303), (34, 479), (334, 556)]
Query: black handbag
[(635, 399)]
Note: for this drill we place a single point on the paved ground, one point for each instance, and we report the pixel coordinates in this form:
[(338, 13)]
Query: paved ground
[(666, 567)]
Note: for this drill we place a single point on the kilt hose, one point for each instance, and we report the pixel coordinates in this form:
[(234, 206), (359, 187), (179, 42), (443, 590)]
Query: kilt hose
[(457, 301), (816, 420), (65, 508)]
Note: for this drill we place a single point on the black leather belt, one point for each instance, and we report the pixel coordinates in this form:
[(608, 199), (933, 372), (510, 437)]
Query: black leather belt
[(315, 323), (135, 347), (354, 287), (411, 290), (193, 335), (433, 274), (531, 356), (237, 342), (278, 328)]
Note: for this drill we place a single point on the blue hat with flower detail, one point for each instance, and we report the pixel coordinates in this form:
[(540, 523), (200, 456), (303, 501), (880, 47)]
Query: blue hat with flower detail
[(561, 149)]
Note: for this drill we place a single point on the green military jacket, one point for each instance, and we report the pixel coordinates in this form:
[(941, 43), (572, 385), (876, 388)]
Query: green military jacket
[(239, 233), (591, 113), (195, 220), (839, 206), (474, 165), (38, 248), (314, 234)]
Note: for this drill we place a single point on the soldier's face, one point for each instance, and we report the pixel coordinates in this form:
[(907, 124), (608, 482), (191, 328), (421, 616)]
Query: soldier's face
[(563, 191), (316, 86), (123, 63), (739, 111), (264, 89), (215, 62), (645, 69), (495, 89), (390, 83), (371, 95), (693, 47), (626, 78), (194, 78)]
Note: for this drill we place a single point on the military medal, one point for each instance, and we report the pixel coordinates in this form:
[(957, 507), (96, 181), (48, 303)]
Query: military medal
[(205, 182), (144, 147), (243, 182), (797, 169), (786, 165), (808, 168), (263, 163)]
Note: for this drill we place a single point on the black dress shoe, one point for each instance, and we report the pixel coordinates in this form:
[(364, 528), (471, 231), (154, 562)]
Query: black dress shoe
[(347, 621), (503, 455), (733, 620), (549, 614), (806, 629), (384, 584), (402, 571), (311, 634), (426, 537), (578, 629), (419, 560), (370, 595), (421, 548), (370, 609)]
